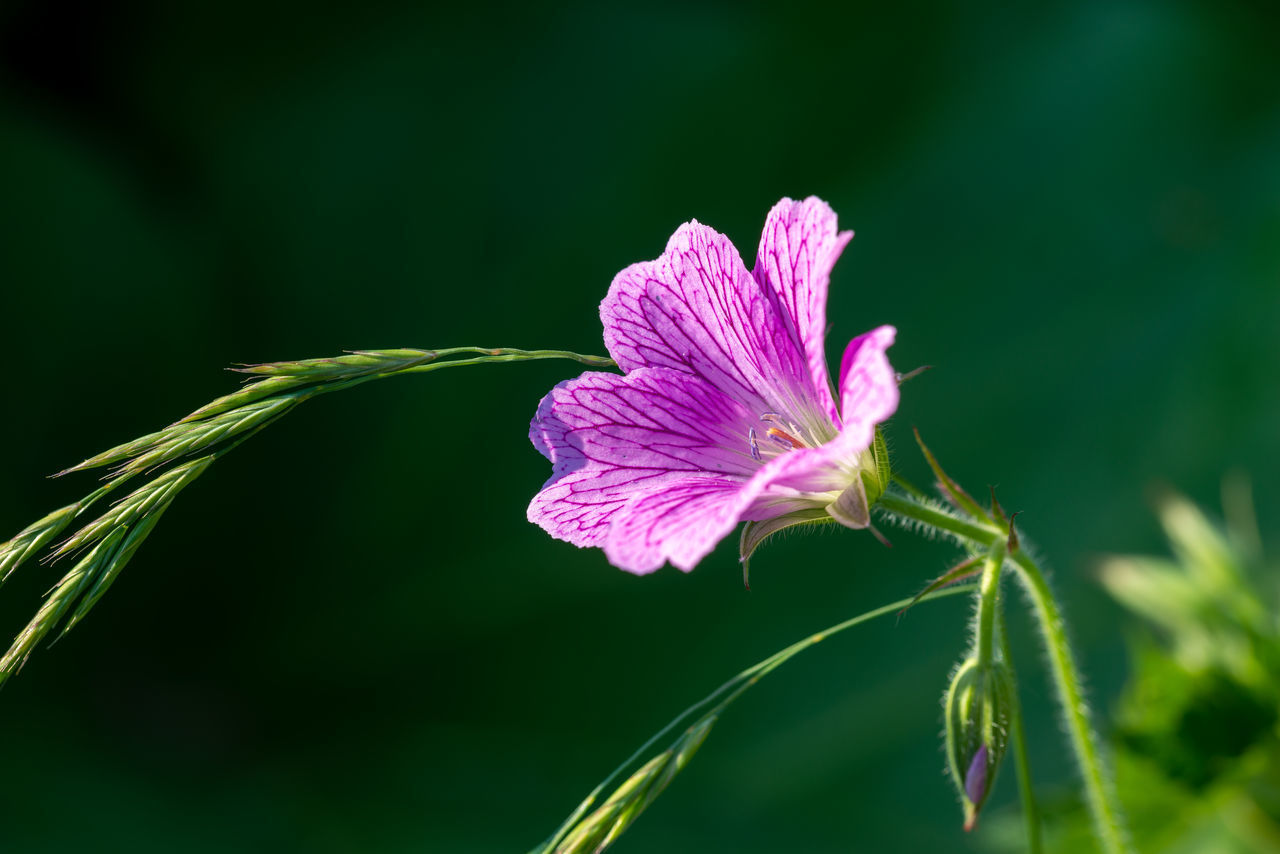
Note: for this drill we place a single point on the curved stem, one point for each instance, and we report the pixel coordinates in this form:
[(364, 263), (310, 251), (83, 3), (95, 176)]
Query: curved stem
[(1099, 795), (1107, 817)]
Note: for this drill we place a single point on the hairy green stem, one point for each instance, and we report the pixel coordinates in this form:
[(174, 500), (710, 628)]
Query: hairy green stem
[(939, 520), (1108, 819), (1103, 804), (1021, 761), (988, 604)]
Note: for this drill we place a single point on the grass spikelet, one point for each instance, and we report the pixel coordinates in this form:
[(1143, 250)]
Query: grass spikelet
[(58, 601), (131, 509), (34, 537), (601, 828), (178, 454)]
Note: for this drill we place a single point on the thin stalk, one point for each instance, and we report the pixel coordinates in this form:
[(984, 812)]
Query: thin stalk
[(1099, 794), (1021, 761), (494, 355), (734, 688)]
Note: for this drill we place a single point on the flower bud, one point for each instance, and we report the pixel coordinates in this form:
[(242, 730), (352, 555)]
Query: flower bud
[(978, 707)]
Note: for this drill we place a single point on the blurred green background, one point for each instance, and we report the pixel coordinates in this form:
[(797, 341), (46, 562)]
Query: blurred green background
[(346, 637)]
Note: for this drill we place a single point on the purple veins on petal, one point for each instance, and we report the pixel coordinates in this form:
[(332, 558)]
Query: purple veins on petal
[(697, 309), (798, 248)]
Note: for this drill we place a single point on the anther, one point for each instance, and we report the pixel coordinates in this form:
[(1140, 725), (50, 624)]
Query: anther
[(755, 448)]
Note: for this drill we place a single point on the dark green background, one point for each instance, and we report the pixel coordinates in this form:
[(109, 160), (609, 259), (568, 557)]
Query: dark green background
[(346, 637)]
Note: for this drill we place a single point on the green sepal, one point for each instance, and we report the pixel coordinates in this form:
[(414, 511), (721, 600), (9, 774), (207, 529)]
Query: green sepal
[(959, 497), (965, 569), (884, 472), (755, 533)]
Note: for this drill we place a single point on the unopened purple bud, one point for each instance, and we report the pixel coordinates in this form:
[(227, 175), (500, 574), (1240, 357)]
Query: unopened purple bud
[(975, 779), (978, 705)]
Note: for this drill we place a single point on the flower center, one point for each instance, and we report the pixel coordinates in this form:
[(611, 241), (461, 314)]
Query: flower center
[(779, 437)]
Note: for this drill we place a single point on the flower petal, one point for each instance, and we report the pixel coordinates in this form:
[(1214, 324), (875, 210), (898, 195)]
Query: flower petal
[(798, 248), (611, 437), (697, 309), (868, 385), (682, 522)]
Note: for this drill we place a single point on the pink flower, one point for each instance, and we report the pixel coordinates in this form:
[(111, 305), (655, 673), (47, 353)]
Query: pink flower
[(726, 412)]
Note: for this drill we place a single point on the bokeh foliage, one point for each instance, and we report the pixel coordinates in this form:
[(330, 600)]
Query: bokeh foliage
[(346, 637), (1198, 747)]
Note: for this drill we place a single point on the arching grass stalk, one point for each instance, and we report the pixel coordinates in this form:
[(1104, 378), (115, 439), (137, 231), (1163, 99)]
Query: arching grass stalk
[(1104, 807), (171, 459), (595, 832)]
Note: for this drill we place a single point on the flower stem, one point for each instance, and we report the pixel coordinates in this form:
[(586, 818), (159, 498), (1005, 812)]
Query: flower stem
[(1108, 819), (1021, 762), (938, 519), (1099, 795), (988, 604)]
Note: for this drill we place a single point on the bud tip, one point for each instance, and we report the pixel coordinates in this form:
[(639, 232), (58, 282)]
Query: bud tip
[(975, 779)]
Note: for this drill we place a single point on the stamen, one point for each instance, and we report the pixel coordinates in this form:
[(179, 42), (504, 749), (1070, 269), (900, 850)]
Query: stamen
[(784, 438)]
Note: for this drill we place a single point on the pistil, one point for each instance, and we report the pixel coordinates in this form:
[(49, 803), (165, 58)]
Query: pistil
[(784, 439)]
